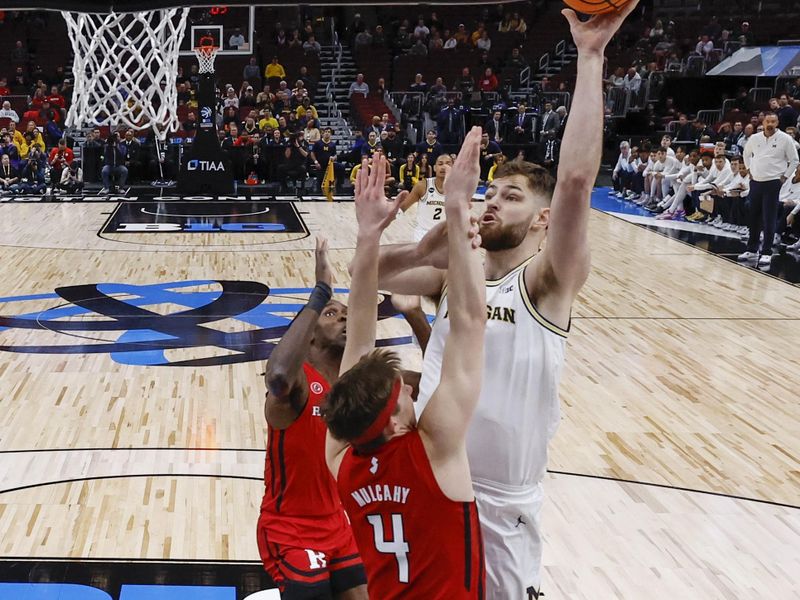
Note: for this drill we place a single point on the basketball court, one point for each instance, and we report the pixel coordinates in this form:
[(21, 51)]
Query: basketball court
[(133, 337)]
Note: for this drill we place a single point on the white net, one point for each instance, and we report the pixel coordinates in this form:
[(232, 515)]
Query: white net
[(205, 57), (125, 68)]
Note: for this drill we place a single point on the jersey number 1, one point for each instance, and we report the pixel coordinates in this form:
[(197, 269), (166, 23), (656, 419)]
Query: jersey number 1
[(398, 546), (437, 214)]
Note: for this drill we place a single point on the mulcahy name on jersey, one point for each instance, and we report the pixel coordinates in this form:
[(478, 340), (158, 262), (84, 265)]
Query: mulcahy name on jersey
[(380, 493), (496, 313)]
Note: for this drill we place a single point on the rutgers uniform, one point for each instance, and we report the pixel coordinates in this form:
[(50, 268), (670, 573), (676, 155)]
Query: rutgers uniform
[(516, 416), (430, 210), (304, 537), (416, 543)]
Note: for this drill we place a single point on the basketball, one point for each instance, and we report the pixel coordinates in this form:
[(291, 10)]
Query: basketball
[(595, 7)]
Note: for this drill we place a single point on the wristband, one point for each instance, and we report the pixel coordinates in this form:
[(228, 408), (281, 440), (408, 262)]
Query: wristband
[(319, 297)]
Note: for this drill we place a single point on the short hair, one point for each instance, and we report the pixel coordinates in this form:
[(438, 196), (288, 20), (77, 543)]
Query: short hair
[(624, 144), (770, 114), (539, 179), (645, 147), (360, 394), (666, 136)]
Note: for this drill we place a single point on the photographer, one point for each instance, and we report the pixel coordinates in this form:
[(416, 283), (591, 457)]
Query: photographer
[(113, 163), (294, 166), (31, 179), (60, 158), (72, 178)]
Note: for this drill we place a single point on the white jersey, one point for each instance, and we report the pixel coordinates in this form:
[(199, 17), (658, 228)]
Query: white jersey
[(518, 410), (430, 209)]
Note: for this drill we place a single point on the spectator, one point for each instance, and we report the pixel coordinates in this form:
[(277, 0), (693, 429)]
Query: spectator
[(56, 99), (19, 54), (33, 139), (704, 46), (359, 86), (657, 32), (265, 97), (281, 40), (732, 139), (465, 83), (363, 39), (190, 124), (252, 72), (499, 160), (421, 31), (461, 35), (392, 147), (439, 88), (419, 85), (308, 81), (450, 123), (551, 122), (701, 130), (435, 42), (306, 110), (231, 101), (712, 29), (4, 89), (236, 41), (312, 46), (684, 130), (379, 37), (31, 178), (787, 115), (745, 35), (299, 92), (52, 132), (9, 175), (484, 44), (419, 48), (450, 41), (374, 127), (620, 176), (60, 158), (488, 82), (372, 146), (409, 173), (516, 60), (517, 23), (113, 164), (425, 167), (8, 113), (489, 151), (274, 69), (632, 81), (494, 127), (294, 166), (431, 148), (749, 130)]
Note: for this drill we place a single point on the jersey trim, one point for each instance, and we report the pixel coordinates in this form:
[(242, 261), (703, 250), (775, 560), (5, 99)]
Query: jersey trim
[(271, 464), (496, 282), (552, 327), (467, 546)]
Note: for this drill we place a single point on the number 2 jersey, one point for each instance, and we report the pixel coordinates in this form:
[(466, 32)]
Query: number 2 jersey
[(415, 542), (430, 210)]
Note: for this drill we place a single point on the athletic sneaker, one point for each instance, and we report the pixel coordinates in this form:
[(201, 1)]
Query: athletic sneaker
[(776, 241), (643, 199), (717, 222), (696, 216), (679, 215), (102, 192), (747, 256), (619, 195), (794, 247), (765, 260), (665, 216)]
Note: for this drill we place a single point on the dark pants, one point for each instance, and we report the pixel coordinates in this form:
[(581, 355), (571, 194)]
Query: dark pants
[(637, 183), (623, 181), (763, 213)]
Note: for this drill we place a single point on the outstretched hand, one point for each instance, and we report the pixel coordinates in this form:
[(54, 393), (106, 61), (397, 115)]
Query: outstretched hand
[(592, 36), (461, 179), (374, 212), (322, 268)]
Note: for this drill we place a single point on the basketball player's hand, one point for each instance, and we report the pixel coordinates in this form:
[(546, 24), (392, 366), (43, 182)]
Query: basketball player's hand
[(322, 268), (461, 180), (593, 35), (374, 212)]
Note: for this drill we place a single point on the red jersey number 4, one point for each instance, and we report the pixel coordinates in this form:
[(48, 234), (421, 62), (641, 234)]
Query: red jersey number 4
[(398, 546)]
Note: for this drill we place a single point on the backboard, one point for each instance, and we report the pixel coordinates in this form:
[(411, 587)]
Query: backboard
[(232, 28)]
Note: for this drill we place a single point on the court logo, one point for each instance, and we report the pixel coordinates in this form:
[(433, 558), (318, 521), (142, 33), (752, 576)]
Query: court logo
[(177, 324), (193, 215)]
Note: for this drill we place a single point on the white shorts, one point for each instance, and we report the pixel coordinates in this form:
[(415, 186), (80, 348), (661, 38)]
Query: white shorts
[(512, 538)]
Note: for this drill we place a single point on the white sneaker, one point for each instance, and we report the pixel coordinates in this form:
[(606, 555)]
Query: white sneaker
[(619, 195), (765, 260), (776, 240), (744, 232), (794, 247), (102, 192), (747, 256)]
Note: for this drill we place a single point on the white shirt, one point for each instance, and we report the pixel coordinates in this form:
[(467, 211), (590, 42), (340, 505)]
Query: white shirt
[(671, 166), (790, 191), (738, 184), (236, 40), (686, 169), (770, 158), (650, 168), (715, 177), (9, 114), (632, 83), (65, 175), (622, 163)]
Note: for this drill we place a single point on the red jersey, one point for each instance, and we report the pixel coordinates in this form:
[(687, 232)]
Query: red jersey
[(299, 486), (414, 541)]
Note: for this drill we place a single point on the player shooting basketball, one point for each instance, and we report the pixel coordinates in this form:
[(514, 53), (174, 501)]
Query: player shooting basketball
[(529, 297), (401, 480)]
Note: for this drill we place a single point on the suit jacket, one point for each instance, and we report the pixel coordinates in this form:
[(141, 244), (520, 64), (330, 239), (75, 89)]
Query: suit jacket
[(550, 122), (494, 128)]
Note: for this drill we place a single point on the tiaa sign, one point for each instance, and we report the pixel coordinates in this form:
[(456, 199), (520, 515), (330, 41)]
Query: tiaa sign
[(72, 591), (205, 165)]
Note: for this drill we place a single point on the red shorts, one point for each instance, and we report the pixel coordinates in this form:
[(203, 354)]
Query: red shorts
[(322, 564)]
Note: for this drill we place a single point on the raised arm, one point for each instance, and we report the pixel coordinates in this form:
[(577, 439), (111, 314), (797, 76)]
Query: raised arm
[(566, 257), (287, 388), (374, 213), (444, 422)]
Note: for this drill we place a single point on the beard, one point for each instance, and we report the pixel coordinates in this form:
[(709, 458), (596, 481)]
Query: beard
[(495, 237)]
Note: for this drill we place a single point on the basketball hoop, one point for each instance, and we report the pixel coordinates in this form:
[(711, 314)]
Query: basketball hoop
[(125, 68), (206, 52)]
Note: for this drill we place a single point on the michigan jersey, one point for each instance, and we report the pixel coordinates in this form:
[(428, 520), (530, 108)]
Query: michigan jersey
[(518, 410), (430, 209)]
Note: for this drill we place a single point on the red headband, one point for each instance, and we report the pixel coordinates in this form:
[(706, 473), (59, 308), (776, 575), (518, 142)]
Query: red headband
[(374, 431)]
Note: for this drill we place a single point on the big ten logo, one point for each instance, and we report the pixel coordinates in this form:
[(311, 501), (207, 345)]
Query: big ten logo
[(71, 591), (316, 387)]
